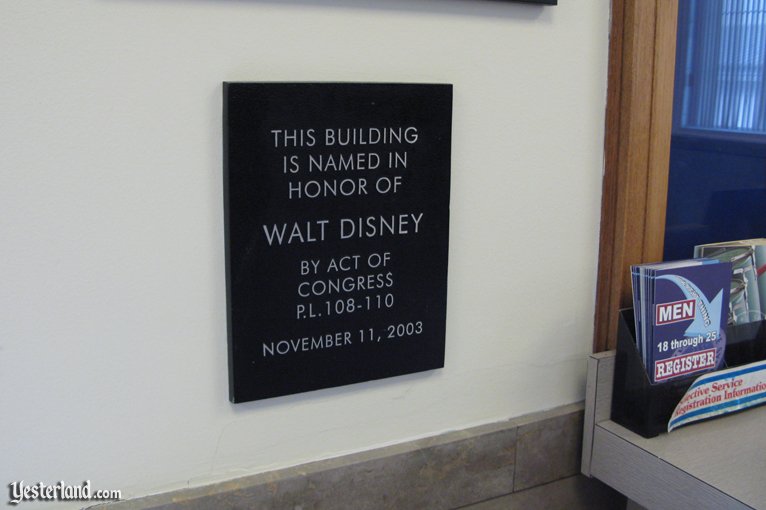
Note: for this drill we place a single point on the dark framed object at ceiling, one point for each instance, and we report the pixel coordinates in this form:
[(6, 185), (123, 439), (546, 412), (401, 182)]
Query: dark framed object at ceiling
[(543, 2)]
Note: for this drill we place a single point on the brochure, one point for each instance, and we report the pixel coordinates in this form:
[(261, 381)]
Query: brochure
[(747, 301), (681, 313)]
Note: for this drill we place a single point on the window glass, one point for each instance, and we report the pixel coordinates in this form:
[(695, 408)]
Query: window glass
[(722, 49), (717, 184)]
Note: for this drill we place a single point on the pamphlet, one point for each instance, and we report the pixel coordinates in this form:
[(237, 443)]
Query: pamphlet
[(725, 391), (747, 301), (680, 314)]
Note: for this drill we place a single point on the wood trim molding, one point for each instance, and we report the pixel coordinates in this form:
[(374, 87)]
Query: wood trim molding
[(636, 151)]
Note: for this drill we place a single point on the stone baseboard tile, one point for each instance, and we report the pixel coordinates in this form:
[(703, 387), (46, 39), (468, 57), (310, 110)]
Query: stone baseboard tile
[(448, 471)]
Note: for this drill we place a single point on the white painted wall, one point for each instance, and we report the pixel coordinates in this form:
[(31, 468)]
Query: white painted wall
[(112, 297)]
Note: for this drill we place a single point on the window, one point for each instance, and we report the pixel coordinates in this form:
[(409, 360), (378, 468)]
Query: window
[(721, 66), (717, 185)]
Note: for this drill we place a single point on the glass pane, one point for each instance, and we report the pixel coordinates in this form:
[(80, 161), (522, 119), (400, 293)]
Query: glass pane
[(717, 186)]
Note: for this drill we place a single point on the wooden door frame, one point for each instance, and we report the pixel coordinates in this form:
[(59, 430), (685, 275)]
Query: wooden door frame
[(636, 152)]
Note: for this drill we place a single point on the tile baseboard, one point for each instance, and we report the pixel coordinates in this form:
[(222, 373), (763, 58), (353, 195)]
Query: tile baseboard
[(447, 471)]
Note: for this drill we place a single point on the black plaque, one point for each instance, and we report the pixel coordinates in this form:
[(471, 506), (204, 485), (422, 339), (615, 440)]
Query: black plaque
[(337, 225)]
